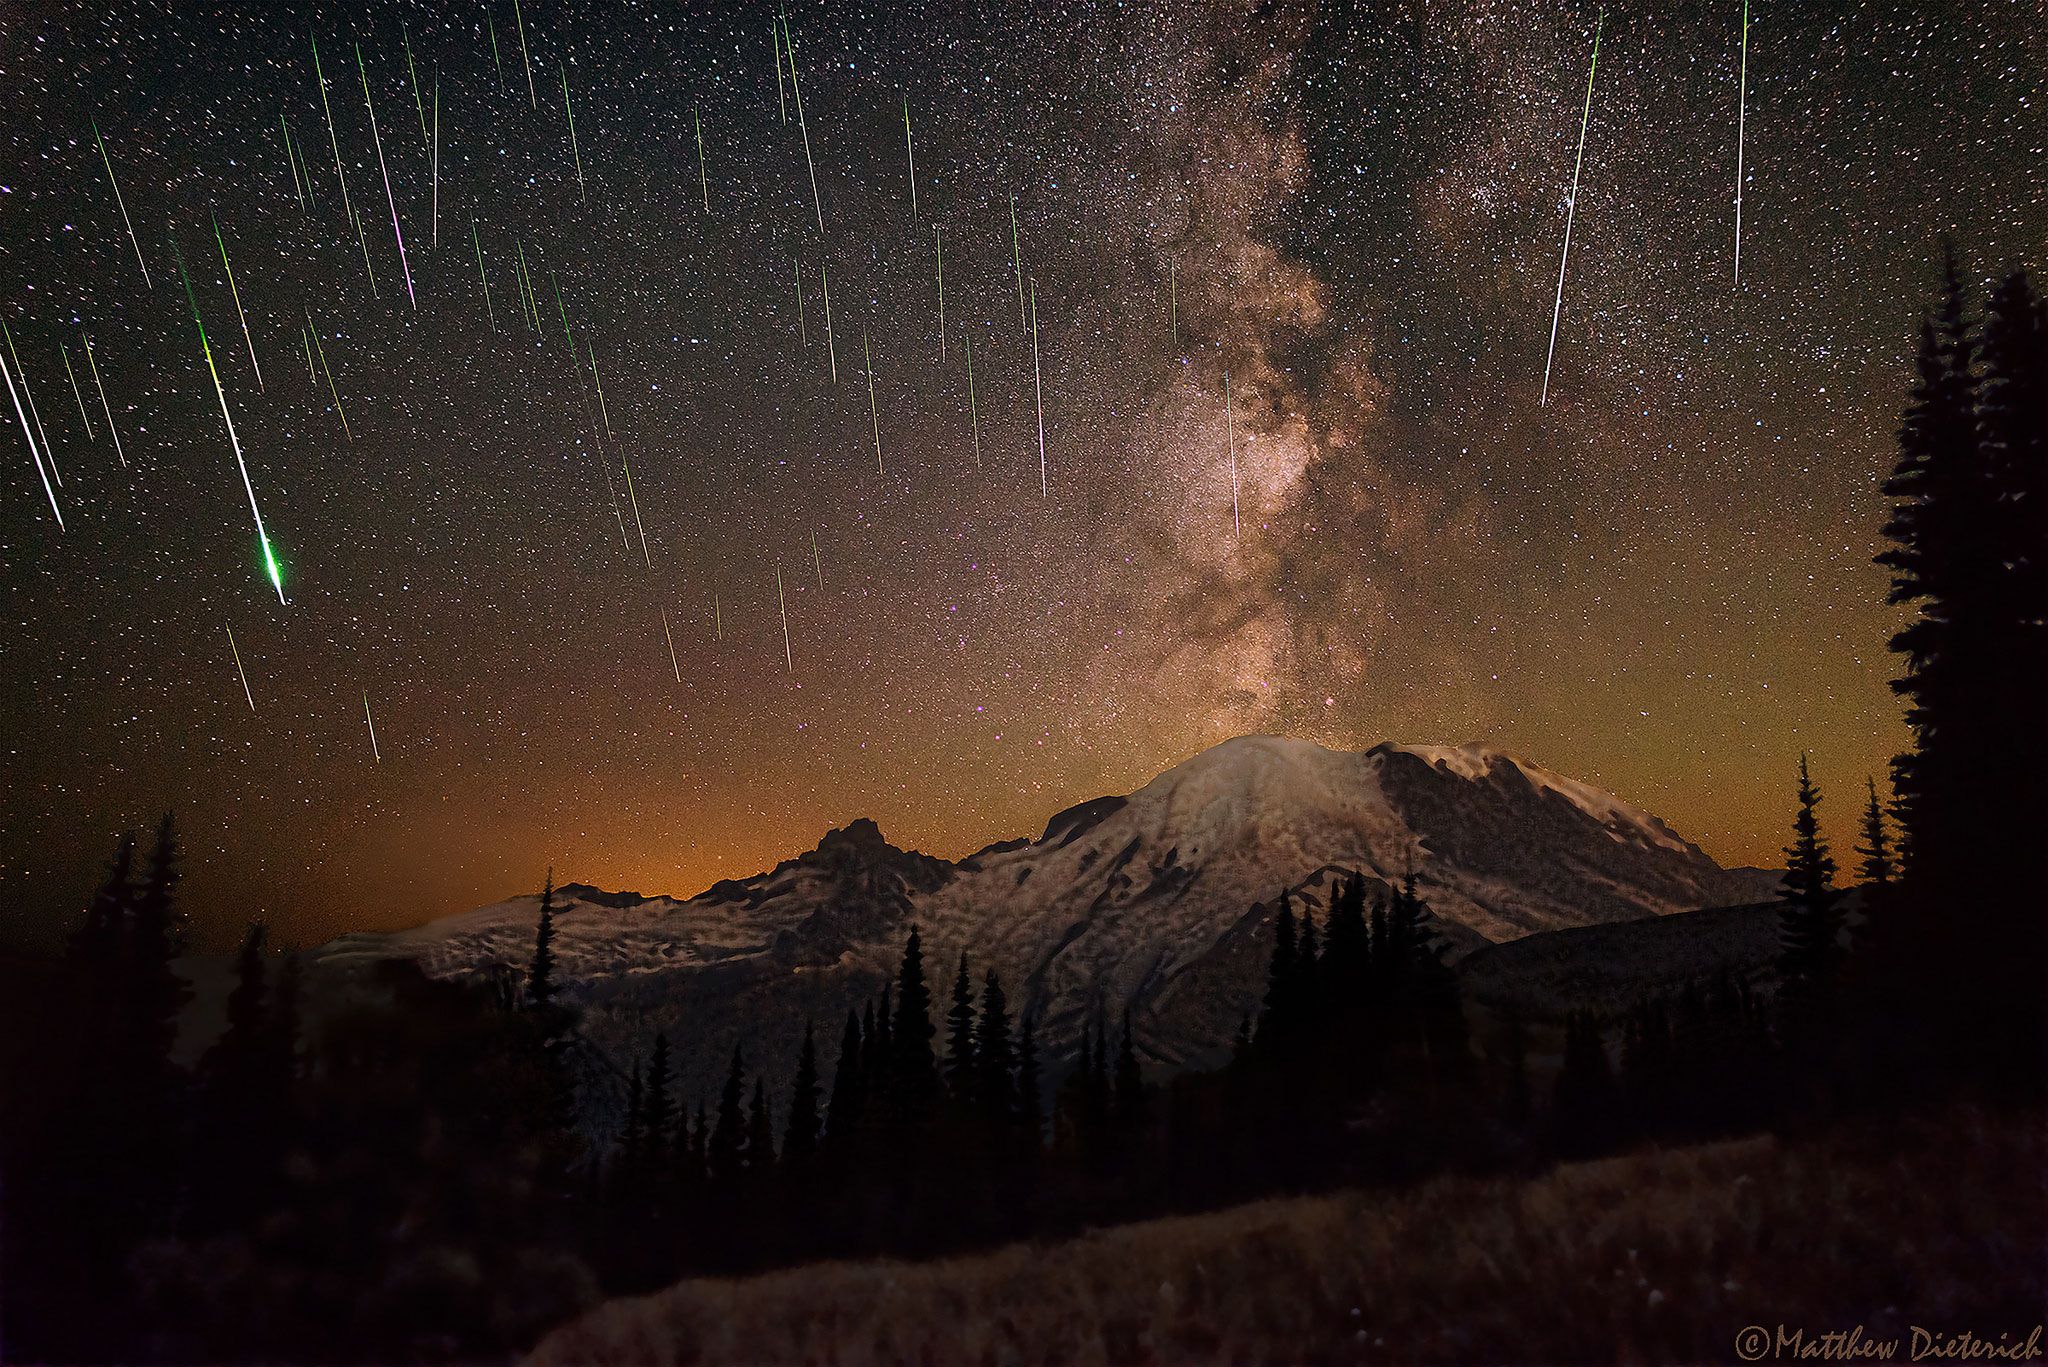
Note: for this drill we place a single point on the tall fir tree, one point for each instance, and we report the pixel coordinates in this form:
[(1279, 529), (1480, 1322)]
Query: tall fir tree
[(915, 1074), (842, 1114), (1875, 847), (995, 1089), (1809, 912), (540, 974), (726, 1150), (800, 1134), (1276, 1018), (1129, 1104), (960, 1035)]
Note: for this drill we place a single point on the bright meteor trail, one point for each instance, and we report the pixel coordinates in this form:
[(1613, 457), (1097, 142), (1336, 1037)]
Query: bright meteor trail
[(241, 672), (1571, 206), (29, 436), (106, 161), (1741, 114), (237, 293), (396, 231), (269, 559)]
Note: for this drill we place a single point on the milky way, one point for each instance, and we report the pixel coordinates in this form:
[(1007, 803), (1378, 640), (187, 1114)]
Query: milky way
[(1658, 582)]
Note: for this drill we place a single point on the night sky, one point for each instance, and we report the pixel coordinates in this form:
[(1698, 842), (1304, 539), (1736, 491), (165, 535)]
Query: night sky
[(1658, 582)]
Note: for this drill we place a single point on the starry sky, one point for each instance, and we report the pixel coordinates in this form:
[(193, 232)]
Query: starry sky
[(1351, 216)]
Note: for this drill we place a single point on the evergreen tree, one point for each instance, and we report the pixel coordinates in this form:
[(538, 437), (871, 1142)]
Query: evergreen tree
[(727, 1149), (843, 1115), (760, 1156), (656, 1109), (1809, 918), (98, 943), (1347, 945), (960, 1036), (155, 992), (915, 1071), (1307, 963), (995, 1091), (540, 977), (633, 1135), (1276, 1020), (1875, 870), (800, 1136)]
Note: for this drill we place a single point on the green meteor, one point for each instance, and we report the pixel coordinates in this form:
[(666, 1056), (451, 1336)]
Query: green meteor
[(574, 151), (270, 564), (1571, 206)]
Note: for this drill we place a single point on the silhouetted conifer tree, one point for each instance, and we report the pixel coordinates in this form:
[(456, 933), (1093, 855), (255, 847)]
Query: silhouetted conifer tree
[(540, 976), (995, 1091), (800, 1136), (960, 1035), (1875, 869), (657, 1108), (915, 1073), (842, 1118), (1809, 915), (726, 1153), (760, 1156)]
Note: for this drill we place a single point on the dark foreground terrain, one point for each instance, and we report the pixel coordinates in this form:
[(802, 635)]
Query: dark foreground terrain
[(1933, 1220)]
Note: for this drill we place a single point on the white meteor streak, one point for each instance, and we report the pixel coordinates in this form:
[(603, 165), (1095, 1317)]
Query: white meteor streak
[(371, 722), (34, 454), (1741, 115), (788, 656), (396, 231), (1571, 206), (239, 670), (35, 414), (817, 561), (874, 419), (817, 204), (1038, 389), (108, 163), (76, 393), (671, 637), (237, 293), (92, 362)]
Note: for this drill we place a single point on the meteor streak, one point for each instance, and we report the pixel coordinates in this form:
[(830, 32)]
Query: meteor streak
[(781, 89), (437, 158), (1571, 206), (413, 74), (364, 74), (34, 413), (320, 80), (874, 420), (332, 392), (1173, 302), (106, 411), (939, 274), (674, 663), (249, 341), (973, 413), (803, 332), (269, 559), (599, 383), (108, 163), (817, 204), (29, 436), (1017, 258), (371, 721), (1038, 389), (1741, 113), (703, 182), (910, 158), (238, 668), (479, 244), (291, 162), (782, 603), (574, 151), (72, 376), (831, 354), (634, 499), (816, 561), (524, 56)]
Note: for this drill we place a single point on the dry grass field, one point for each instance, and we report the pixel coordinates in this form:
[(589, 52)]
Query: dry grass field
[(1654, 1256)]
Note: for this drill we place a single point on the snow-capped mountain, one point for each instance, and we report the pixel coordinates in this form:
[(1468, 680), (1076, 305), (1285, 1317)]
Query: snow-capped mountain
[(1155, 903)]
